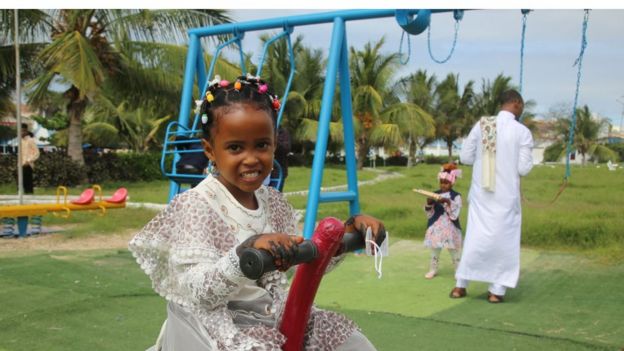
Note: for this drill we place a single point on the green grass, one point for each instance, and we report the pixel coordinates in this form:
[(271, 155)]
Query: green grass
[(569, 295), (587, 216), (100, 300)]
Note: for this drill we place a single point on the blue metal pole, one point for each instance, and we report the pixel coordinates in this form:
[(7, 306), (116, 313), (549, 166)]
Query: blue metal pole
[(187, 96), (347, 125), (201, 79), (322, 134)]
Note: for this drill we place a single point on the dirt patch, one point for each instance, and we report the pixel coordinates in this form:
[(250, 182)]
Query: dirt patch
[(59, 242)]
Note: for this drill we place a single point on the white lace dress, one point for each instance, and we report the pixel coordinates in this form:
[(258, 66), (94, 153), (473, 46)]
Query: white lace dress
[(189, 252)]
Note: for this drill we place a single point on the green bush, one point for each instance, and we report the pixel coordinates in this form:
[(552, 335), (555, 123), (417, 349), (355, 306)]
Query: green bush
[(619, 148), (552, 153), (123, 167), (8, 168), (56, 168), (439, 160)]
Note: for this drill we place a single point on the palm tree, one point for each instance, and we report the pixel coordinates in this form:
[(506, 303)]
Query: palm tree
[(371, 73), (453, 110), (419, 89), (84, 53), (29, 22), (488, 102), (586, 136), (403, 124)]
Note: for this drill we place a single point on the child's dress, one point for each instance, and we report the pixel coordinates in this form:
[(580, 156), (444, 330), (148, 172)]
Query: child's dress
[(443, 228), (189, 252)]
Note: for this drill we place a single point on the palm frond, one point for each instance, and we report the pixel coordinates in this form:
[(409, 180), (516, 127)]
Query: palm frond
[(71, 56)]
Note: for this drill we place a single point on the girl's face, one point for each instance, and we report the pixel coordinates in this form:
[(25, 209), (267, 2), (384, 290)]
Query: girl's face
[(241, 146), (445, 185)]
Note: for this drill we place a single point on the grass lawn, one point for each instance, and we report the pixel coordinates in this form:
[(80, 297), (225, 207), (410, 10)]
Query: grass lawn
[(63, 297), (100, 300)]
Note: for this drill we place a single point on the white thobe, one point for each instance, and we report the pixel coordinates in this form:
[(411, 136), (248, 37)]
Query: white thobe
[(491, 250)]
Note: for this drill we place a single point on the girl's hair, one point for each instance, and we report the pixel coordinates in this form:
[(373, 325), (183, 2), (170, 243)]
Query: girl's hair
[(221, 94), (448, 167)]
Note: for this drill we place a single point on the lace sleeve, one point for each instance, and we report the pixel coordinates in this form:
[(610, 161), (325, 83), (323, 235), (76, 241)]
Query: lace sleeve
[(189, 254)]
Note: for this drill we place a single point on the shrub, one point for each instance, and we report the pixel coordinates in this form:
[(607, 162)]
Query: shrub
[(619, 148), (56, 168), (123, 167), (8, 168), (438, 160)]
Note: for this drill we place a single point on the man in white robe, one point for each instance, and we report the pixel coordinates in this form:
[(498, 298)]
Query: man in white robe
[(499, 148)]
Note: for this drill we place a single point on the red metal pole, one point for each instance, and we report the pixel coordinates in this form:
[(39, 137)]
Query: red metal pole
[(327, 237)]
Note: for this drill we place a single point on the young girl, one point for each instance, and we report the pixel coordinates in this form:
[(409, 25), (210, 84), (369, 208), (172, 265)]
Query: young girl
[(443, 229), (191, 249)]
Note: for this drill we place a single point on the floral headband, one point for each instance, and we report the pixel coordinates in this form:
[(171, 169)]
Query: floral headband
[(451, 176), (248, 80)]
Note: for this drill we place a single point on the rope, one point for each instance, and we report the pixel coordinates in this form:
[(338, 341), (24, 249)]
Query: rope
[(452, 48), (579, 63), (524, 21), (409, 49), (562, 187)]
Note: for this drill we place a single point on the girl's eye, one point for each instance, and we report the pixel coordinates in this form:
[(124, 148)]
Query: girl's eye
[(263, 145), (234, 147)]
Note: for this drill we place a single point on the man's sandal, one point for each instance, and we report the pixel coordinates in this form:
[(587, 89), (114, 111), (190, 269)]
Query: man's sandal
[(458, 293), (494, 298)]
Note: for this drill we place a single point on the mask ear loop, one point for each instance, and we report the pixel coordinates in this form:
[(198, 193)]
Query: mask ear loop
[(376, 251)]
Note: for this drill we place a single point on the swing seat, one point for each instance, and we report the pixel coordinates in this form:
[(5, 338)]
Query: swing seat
[(119, 196), (85, 198)]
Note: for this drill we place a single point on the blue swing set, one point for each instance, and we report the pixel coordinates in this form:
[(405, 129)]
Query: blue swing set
[(181, 133)]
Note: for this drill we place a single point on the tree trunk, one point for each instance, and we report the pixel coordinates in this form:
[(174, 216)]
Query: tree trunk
[(362, 152), (583, 159), (449, 145), (75, 109), (411, 160)]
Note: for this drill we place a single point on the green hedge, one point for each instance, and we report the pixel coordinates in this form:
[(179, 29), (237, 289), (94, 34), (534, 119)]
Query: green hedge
[(56, 168)]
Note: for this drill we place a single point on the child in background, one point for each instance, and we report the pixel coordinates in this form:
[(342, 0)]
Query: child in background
[(191, 249), (443, 228)]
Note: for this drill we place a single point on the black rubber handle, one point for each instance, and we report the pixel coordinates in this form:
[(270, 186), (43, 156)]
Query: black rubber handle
[(254, 263)]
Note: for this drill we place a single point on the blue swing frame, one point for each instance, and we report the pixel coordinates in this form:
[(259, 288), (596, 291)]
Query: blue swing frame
[(337, 68)]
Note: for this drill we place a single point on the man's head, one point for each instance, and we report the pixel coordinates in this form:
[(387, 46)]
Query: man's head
[(24, 129), (512, 101)]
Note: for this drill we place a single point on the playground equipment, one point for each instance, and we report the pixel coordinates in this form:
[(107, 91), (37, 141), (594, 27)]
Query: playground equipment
[(412, 21), (20, 214), (314, 256)]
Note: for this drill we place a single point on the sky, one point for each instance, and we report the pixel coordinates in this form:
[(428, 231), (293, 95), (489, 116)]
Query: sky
[(488, 41), (489, 44)]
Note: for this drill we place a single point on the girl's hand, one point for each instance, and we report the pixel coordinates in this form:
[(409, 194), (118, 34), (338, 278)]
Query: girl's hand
[(359, 223), (430, 201), (281, 246), (444, 200)]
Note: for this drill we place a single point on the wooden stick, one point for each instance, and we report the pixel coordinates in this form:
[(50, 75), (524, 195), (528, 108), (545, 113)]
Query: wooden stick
[(428, 194)]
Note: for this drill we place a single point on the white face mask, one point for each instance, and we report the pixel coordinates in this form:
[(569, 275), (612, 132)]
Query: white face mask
[(378, 251)]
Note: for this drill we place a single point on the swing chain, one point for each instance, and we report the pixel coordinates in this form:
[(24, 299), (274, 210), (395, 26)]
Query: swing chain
[(457, 19), (409, 49), (579, 63)]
